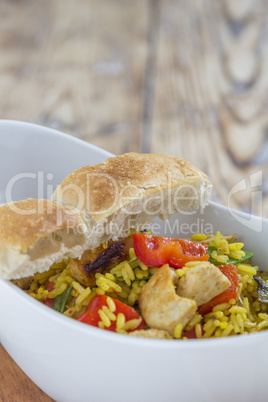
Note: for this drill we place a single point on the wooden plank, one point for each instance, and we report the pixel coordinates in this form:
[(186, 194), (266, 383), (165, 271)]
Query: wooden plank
[(211, 92), (15, 385), (77, 66)]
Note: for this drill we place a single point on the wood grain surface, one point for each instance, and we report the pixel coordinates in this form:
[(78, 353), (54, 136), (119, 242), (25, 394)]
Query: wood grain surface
[(186, 78)]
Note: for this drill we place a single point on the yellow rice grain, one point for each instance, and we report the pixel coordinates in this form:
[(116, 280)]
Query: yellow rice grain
[(198, 237), (138, 273), (257, 306), (180, 273), (143, 266), (120, 321), (262, 325), (100, 291), (263, 316), (208, 325), (132, 254), (244, 279), (110, 315), (216, 314), (235, 246), (104, 318), (198, 331), (209, 332), (108, 275), (178, 331), (221, 307), (77, 286), (223, 325), (232, 301), (218, 333), (247, 268), (79, 300), (249, 324), (111, 304), (130, 272), (228, 330), (235, 324), (224, 319), (101, 325), (240, 323), (222, 258), (132, 324), (57, 291), (132, 297), (195, 320), (240, 288), (125, 275), (237, 309)]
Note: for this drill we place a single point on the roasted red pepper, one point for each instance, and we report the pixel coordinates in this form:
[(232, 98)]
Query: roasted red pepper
[(231, 272), (191, 333), (155, 251), (91, 315)]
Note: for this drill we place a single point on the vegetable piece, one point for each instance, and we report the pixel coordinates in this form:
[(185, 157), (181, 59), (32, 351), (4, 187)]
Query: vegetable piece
[(155, 251), (61, 300), (92, 317), (262, 289), (191, 333), (231, 260), (231, 272), (50, 286), (49, 302)]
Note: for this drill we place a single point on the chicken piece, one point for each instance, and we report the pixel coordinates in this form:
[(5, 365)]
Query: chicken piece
[(151, 333), (202, 282), (160, 306), (100, 260)]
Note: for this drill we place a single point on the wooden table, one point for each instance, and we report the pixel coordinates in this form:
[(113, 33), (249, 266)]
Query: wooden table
[(186, 78)]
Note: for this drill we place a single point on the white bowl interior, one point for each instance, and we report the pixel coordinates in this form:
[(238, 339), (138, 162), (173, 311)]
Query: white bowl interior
[(72, 361)]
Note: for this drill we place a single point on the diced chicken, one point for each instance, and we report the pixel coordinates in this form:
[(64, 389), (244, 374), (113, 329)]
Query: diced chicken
[(202, 282), (160, 306), (152, 333), (100, 260)]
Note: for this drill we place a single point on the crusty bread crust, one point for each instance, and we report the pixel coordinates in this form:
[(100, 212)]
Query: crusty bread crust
[(36, 233), (95, 204), (111, 185), (24, 222), (130, 190)]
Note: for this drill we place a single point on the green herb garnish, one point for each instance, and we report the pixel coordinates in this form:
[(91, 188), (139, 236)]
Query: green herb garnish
[(61, 300)]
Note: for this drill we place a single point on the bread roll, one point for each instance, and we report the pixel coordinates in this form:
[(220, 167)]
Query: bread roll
[(36, 233), (129, 190)]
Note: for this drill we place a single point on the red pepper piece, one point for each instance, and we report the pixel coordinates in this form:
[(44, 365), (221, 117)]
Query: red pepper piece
[(231, 272), (191, 334), (91, 315), (155, 251)]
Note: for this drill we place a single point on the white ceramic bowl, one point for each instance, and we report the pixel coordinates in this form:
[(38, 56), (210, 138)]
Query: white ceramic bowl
[(71, 361)]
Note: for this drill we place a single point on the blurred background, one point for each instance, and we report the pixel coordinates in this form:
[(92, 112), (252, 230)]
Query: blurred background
[(186, 78)]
